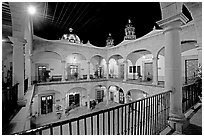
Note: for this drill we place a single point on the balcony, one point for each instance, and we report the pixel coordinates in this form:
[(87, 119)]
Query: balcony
[(148, 116)]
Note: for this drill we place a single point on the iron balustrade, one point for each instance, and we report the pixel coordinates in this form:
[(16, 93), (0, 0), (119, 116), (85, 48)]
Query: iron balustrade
[(147, 116), (9, 103), (190, 94)]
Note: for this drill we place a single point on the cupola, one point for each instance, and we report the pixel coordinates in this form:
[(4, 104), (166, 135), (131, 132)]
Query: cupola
[(109, 41), (130, 31)]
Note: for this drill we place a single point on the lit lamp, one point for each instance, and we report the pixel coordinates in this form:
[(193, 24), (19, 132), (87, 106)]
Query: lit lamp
[(31, 10)]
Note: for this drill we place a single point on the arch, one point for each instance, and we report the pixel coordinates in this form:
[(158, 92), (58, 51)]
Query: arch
[(116, 94), (97, 66), (97, 56), (49, 91), (135, 94), (116, 57), (82, 57), (160, 52), (188, 45), (46, 54), (76, 88), (186, 11), (135, 55), (185, 45)]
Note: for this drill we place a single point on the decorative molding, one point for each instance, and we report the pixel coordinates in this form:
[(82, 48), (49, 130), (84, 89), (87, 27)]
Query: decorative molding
[(167, 21)]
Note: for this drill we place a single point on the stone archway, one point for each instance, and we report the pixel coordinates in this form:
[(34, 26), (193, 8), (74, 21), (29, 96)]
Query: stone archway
[(142, 65), (98, 67), (135, 94), (116, 66), (75, 66), (46, 65), (116, 94)]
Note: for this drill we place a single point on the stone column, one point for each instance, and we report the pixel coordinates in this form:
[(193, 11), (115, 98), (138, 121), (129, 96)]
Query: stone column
[(28, 36), (88, 75), (107, 70), (125, 70), (199, 49), (173, 77), (155, 71), (63, 69), (18, 66), (88, 101), (133, 72), (107, 96)]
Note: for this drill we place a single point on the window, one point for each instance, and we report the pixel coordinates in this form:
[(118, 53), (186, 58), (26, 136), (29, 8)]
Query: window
[(131, 69)]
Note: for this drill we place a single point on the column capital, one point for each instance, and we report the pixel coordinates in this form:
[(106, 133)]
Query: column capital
[(17, 41), (178, 18)]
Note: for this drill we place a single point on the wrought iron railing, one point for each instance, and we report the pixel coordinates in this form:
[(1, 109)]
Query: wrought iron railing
[(191, 93), (9, 103), (146, 116)]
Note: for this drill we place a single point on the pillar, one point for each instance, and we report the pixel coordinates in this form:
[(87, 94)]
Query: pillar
[(88, 75), (173, 77), (118, 65), (107, 70), (107, 96), (88, 101), (28, 49), (63, 69), (125, 70), (18, 65), (155, 71), (199, 49)]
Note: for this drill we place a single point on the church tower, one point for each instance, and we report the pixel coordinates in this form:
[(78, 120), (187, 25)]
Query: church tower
[(109, 41), (129, 31)]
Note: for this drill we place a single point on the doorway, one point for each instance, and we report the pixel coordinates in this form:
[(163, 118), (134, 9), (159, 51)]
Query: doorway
[(99, 95), (74, 99), (46, 104), (111, 96), (42, 72), (72, 71), (121, 96), (148, 71)]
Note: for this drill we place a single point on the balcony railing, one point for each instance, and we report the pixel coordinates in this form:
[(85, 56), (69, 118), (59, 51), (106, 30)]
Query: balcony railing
[(191, 95), (146, 116), (9, 103)]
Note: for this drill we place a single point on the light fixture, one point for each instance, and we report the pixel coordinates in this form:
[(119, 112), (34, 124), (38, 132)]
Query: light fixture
[(31, 10)]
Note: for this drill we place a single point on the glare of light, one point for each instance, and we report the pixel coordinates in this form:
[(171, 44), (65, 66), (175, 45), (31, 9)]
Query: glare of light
[(31, 10), (3, 40)]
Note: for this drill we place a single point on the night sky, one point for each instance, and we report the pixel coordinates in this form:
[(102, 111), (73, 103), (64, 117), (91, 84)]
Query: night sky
[(93, 21)]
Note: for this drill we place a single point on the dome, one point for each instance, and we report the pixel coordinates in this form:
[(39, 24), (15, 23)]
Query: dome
[(72, 38)]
